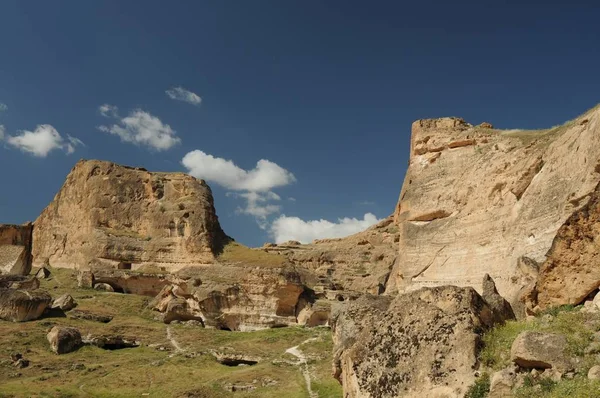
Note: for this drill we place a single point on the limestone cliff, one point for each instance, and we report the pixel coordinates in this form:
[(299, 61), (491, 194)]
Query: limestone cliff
[(359, 263), (475, 200), (15, 249), (127, 217)]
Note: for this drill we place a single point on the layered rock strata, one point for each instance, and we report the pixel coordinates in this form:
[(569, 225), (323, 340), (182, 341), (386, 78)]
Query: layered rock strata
[(475, 200)]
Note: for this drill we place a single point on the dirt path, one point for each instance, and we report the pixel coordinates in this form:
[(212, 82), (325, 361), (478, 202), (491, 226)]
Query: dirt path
[(173, 342), (295, 351)]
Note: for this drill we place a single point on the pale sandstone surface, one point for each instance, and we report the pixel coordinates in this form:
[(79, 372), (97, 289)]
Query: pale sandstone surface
[(475, 200), (360, 263), (64, 339), (541, 351), (15, 249), (128, 217), (422, 343)]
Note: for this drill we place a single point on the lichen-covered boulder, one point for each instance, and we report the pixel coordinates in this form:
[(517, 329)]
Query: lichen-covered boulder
[(422, 343)]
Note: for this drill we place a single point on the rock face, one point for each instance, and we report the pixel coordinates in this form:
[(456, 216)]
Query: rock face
[(23, 305), (237, 298), (541, 351), (124, 217), (572, 270), (64, 340), (360, 263), (15, 249), (475, 200), (423, 343), (65, 302)]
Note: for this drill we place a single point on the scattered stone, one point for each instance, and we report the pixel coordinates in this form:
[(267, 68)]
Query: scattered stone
[(593, 348), (90, 316), (104, 287), (65, 302), (502, 383), (111, 342), (22, 363), (43, 273), (486, 125), (85, 279), (501, 309), (15, 356), (78, 366), (594, 373), (27, 284), (231, 359), (23, 305), (540, 351), (552, 374), (239, 387), (64, 339)]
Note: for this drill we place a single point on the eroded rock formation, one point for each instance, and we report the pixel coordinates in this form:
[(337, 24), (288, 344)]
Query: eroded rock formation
[(15, 249), (572, 269), (127, 218), (476, 200), (360, 263)]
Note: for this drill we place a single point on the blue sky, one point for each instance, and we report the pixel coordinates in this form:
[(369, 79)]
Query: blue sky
[(320, 94)]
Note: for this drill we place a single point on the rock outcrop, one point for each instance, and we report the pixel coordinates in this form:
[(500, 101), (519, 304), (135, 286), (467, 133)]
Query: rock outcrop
[(360, 263), (23, 305), (572, 269), (237, 298), (124, 217), (475, 200), (422, 343), (15, 249)]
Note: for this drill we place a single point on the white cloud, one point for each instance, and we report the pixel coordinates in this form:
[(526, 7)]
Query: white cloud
[(257, 205), (2, 131), (42, 141), (293, 228), (262, 178), (181, 94), (108, 110), (141, 128), (3, 107)]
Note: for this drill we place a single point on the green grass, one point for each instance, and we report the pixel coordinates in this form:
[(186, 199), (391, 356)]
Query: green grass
[(147, 370), (578, 387), (572, 324), (480, 388), (234, 252)]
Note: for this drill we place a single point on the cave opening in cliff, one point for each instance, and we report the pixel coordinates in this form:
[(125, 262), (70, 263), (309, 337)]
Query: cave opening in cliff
[(119, 346), (124, 265), (225, 328)]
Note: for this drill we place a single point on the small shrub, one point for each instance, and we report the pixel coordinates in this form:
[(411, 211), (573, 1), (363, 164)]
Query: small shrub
[(480, 388)]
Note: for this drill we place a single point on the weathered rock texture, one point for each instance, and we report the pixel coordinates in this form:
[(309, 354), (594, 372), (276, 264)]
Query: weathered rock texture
[(475, 200), (15, 249), (360, 263), (541, 351), (64, 339), (422, 343), (127, 218), (23, 305), (237, 298), (572, 270)]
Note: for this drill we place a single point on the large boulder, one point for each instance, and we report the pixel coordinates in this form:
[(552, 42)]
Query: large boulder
[(23, 305), (65, 302), (422, 343), (15, 249), (64, 339), (125, 217), (540, 351), (475, 200)]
